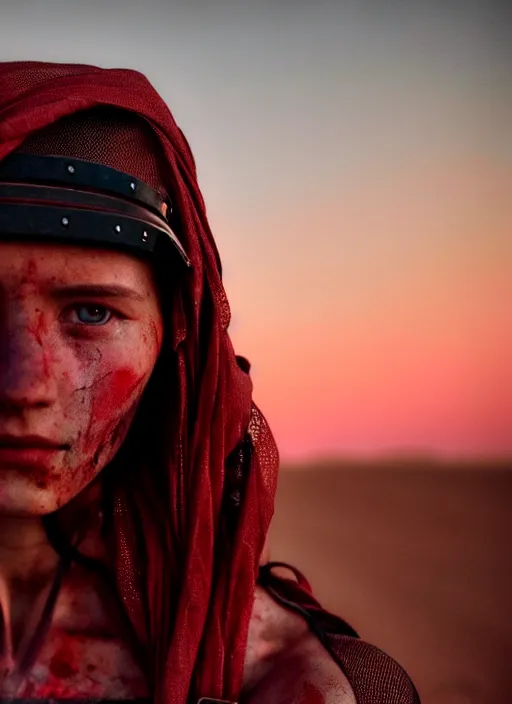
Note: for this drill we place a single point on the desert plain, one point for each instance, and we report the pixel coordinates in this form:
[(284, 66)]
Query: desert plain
[(416, 555)]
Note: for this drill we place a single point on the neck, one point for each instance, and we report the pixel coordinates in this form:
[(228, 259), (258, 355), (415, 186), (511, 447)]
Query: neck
[(25, 552), (27, 566)]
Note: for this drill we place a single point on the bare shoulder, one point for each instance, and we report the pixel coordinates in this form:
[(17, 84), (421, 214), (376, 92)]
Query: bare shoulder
[(287, 664), (304, 675)]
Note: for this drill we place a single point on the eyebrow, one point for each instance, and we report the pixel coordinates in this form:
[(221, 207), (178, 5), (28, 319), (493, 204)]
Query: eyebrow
[(101, 290)]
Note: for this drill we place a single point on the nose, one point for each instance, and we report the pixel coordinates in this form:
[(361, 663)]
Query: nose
[(27, 375)]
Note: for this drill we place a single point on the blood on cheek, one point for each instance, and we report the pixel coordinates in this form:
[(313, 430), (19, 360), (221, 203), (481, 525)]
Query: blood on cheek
[(108, 410), (114, 392), (108, 404)]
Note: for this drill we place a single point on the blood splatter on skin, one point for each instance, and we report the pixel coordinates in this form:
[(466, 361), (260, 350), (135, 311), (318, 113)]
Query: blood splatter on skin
[(78, 384), (63, 664), (311, 695), (84, 665), (52, 688), (40, 477), (118, 387)]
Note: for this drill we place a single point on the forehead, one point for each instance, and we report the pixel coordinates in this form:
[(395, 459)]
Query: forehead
[(41, 264)]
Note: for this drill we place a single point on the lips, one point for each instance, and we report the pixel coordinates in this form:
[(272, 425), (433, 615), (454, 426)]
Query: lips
[(35, 442), (30, 453)]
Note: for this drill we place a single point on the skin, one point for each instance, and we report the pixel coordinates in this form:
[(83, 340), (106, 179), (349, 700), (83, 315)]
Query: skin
[(286, 663), (73, 368)]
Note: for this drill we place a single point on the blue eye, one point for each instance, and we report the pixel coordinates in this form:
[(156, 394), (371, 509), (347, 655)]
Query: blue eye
[(92, 314)]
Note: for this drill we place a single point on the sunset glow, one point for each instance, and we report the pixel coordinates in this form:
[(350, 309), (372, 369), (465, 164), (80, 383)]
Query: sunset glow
[(357, 175)]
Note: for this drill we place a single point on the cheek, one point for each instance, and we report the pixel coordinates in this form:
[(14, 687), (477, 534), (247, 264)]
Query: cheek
[(99, 388), (113, 394), (110, 409)]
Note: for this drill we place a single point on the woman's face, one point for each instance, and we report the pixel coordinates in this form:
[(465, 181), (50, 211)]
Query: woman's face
[(80, 332)]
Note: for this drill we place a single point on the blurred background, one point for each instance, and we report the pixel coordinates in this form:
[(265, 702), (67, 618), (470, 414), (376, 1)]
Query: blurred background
[(356, 161)]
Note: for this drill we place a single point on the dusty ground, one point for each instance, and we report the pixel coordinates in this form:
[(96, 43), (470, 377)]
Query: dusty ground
[(417, 558)]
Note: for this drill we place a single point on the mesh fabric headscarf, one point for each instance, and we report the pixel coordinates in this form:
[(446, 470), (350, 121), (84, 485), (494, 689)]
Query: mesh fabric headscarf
[(185, 574)]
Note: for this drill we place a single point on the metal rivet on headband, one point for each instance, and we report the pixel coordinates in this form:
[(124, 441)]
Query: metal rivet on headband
[(144, 237), (133, 185), (117, 228), (65, 222), (71, 169)]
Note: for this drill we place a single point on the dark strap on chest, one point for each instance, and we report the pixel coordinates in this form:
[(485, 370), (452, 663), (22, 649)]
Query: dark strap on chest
[(374, 676), (297, 596)]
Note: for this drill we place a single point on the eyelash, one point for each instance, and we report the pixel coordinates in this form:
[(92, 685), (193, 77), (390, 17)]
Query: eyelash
[(91, 305)]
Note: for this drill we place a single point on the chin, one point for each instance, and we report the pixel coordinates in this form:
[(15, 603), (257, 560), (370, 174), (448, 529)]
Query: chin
[(24, 502)]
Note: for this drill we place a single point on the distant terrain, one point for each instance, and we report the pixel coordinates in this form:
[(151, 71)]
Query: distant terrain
[(417, 556)]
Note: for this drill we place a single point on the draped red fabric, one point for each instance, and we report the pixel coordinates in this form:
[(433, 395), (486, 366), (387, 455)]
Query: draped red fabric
[(184, 572)]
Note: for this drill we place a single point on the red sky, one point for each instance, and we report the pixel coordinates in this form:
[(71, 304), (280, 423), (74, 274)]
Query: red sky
[(397, 334)]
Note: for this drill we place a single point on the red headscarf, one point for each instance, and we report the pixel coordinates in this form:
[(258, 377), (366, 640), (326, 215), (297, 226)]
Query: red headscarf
[(185, 573)]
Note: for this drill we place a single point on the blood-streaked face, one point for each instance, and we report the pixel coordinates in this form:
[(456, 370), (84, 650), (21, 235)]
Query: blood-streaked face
[(80, 332)]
